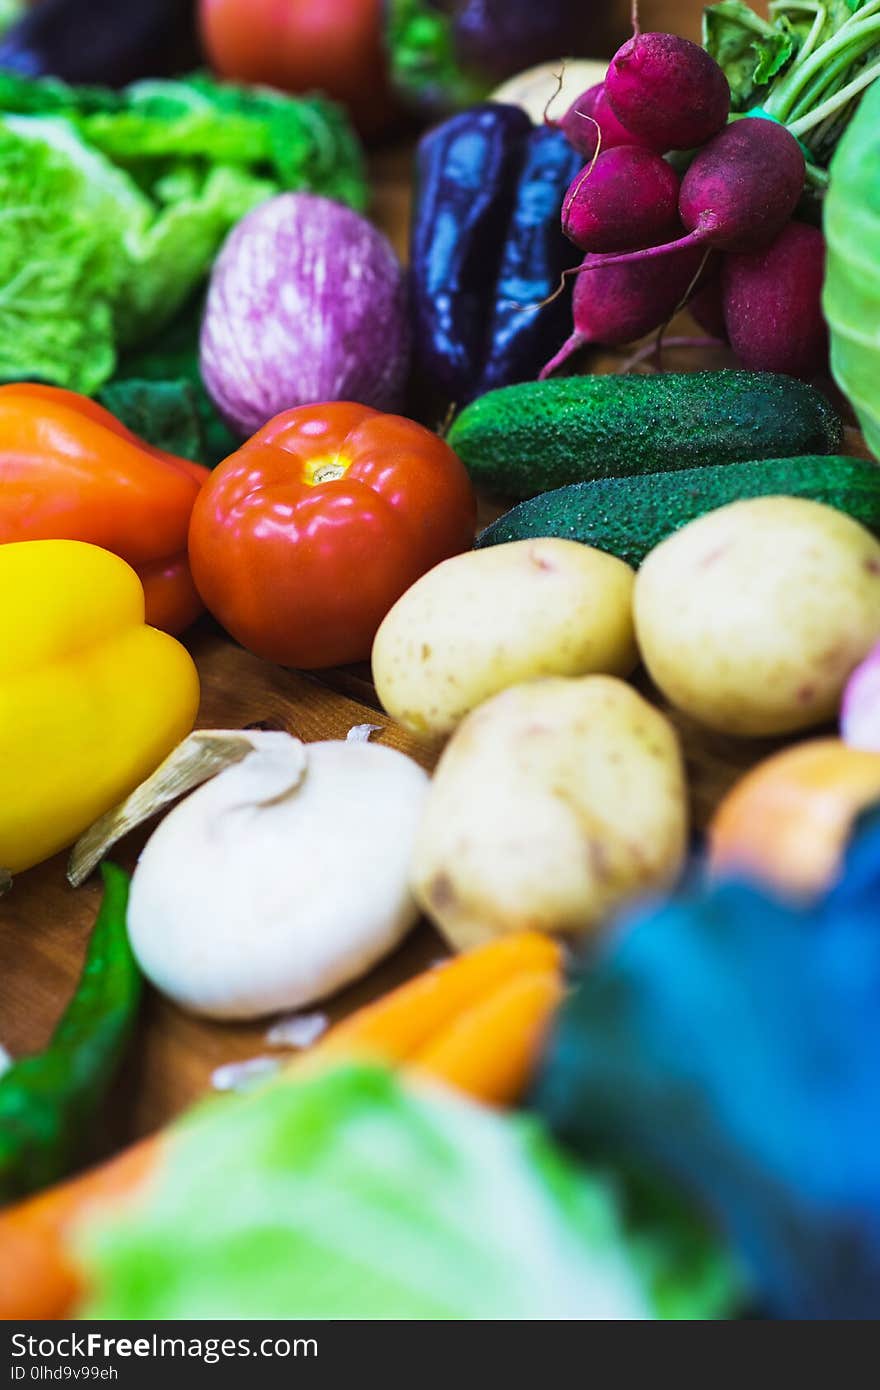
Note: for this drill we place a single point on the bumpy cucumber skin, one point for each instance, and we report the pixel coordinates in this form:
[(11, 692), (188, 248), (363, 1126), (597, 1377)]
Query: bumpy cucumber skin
[(522, 440), (627, 517)]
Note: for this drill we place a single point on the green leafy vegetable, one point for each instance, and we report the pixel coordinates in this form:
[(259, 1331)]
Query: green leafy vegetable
[(806, 68), (355, 1197), (773, 55), (749, 50), (173, 355), (61, 268), (114, 205), (852, 282), (164, 413)]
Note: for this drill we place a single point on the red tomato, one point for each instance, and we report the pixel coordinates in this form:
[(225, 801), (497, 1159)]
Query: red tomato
[(332, 46), (302, 540)]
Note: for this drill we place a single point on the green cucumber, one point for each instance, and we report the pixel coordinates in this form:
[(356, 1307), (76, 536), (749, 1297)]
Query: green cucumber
[(629, 516), (522, 440)]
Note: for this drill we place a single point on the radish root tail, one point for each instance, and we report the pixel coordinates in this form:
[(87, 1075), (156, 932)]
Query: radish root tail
[(571, 346), (560, 79), (655, 347), (587, 171), (695, 238), (551, 298), (446, 423), (691, 287)]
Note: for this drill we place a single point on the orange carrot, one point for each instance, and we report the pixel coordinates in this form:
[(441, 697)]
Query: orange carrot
[(37, 1280), (489, 1051), (404, 1021), (474, 1022)]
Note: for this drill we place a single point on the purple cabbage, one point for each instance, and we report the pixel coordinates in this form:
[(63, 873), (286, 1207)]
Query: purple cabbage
[(307, 303)]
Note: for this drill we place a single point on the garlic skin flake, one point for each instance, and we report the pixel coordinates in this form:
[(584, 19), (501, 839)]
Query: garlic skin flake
[(280, 881), (362, 733), (244, 1076), (297, 1030)]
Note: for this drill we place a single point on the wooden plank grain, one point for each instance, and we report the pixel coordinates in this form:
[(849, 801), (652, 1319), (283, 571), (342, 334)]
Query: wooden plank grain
[(44, 924), (239, 689)]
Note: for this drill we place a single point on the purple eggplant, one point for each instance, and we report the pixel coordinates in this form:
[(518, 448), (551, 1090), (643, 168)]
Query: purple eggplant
[(108, 42), (448, 54), (500, 37)]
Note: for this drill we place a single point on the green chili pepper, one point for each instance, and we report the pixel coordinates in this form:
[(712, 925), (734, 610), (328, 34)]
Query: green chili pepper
[(48, 1102)]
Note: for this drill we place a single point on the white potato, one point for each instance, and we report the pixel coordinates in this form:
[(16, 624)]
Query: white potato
[(536, 86), (492, 618), (552, 804), (751, 618)]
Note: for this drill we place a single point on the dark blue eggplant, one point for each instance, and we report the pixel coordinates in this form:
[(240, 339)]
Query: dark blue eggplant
[(108, 42), (534, 255), (486, 244), (466, 175)]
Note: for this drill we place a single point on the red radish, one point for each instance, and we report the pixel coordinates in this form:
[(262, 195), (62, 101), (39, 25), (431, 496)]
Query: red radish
[(590, 115), (773, 303), (613, 133), (739, 191), (668, 91), (743, 186), (705, 304), (617, 304), (579, 124), (626, 198)]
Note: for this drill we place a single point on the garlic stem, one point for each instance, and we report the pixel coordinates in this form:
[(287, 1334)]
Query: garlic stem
[(200, 756)]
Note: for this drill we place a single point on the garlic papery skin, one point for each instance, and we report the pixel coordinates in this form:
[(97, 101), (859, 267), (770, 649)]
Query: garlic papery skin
[(281, 880)]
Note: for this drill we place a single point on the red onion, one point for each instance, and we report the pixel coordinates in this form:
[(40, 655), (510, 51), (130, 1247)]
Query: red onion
[(307, 302)]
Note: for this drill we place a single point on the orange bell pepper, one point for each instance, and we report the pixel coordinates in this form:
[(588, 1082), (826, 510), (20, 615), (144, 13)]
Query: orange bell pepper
[(69, 470)]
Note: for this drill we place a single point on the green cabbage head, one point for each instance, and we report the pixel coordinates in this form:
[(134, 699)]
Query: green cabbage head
[(852, 283)]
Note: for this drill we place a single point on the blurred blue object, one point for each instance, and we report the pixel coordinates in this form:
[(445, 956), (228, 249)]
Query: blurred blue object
[(733, 1042)]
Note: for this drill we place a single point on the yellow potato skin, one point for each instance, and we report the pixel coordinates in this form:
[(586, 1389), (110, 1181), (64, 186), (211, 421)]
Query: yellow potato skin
[(751, 618), (492, 618), (552, 804)]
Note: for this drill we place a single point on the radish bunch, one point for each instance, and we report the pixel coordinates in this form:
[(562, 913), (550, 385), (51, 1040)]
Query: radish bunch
[(633, 215)]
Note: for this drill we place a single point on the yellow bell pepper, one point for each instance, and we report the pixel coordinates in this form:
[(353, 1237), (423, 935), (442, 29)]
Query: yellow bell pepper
[(91, 700)]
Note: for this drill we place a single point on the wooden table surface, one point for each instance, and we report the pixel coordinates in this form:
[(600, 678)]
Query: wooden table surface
[(44, 924)]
